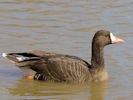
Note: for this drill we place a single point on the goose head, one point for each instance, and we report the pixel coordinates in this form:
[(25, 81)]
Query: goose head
[(103, 38)]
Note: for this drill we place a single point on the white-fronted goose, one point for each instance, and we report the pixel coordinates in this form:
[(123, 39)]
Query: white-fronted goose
[(66, 68)]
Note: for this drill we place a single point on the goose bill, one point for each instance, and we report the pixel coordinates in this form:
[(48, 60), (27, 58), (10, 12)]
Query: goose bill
[(115, 39)]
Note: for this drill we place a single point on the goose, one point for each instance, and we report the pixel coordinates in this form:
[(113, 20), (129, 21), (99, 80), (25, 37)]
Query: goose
[(66, 68)]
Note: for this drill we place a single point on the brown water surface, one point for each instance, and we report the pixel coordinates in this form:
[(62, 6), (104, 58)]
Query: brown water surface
[(66, 26)]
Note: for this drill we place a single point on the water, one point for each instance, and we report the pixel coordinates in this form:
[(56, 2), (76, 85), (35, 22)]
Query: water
[(66, 26)]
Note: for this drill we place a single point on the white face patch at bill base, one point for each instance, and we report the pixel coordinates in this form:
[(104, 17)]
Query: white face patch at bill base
[(113, 38)]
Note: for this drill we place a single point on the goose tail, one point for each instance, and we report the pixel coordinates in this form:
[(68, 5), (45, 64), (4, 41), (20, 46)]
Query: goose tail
[(21, 59)]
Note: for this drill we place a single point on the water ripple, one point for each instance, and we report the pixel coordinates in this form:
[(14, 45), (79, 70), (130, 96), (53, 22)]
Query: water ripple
[(66, 26)]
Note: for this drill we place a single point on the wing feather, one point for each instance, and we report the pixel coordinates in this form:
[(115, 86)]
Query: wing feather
[(67, 69)]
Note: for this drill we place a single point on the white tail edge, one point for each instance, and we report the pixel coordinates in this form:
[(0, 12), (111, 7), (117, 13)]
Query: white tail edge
[(21, 58), (4, 54)]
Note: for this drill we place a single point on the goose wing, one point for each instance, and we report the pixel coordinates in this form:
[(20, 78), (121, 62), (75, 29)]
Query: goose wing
[(62, 68)]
